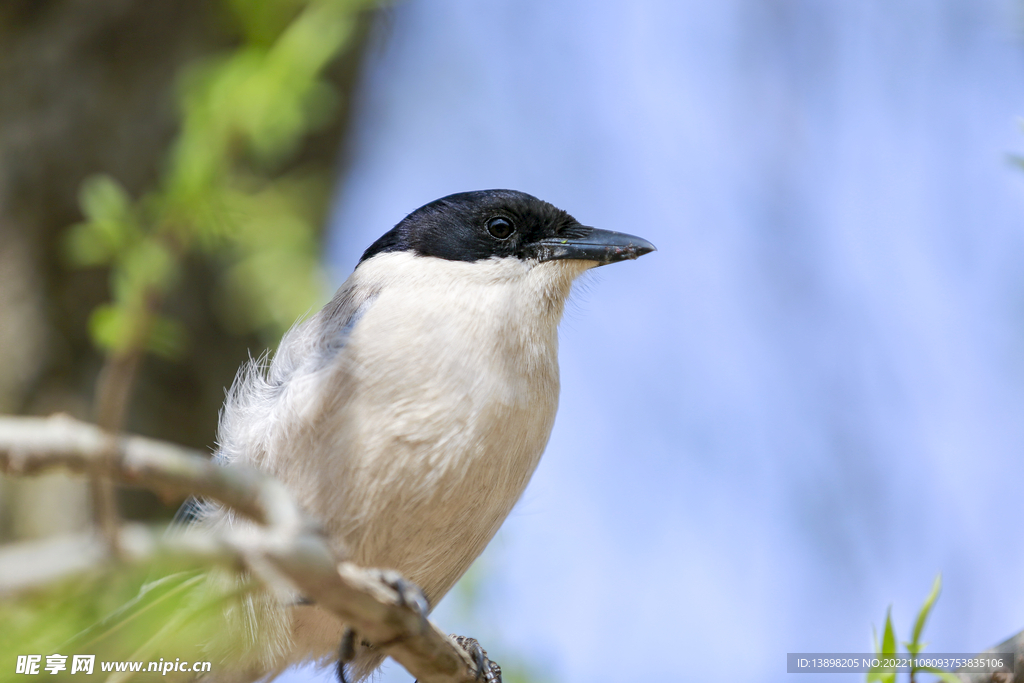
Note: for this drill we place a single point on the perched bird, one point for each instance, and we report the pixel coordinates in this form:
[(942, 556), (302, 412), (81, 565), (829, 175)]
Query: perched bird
[(409, 414)]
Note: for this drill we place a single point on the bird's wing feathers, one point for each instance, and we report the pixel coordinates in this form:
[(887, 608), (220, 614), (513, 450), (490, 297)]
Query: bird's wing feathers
[(260, 391)]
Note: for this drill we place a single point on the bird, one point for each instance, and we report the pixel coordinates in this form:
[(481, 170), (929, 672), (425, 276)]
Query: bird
[(408, 415)]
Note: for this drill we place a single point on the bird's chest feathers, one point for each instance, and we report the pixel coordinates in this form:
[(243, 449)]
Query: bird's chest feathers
[(460, 371), (455, 381)]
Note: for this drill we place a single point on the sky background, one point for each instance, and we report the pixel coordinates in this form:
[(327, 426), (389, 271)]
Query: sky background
[(810, 400)]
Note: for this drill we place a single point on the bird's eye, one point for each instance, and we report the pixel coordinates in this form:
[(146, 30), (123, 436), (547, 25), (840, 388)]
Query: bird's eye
[(500, 228)]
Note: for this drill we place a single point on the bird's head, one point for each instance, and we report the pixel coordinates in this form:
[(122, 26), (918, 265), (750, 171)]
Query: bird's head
[(492, 245), (503, 224)]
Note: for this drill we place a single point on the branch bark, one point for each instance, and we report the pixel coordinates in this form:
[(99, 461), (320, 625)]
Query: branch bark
[(289, 541), (1012, 646)]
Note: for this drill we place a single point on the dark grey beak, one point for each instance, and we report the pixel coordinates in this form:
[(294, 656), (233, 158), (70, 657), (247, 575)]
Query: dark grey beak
[(603, 246)]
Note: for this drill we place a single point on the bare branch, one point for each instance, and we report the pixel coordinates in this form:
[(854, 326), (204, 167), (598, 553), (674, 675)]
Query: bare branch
[(1013, 648), (289, 542), (29, 445)]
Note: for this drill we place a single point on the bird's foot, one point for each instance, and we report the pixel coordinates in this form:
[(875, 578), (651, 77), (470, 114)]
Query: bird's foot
[(346, 652), (409, 595), (486, 670)]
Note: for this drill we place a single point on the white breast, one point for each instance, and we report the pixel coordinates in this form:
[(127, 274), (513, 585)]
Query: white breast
[(448, 412)]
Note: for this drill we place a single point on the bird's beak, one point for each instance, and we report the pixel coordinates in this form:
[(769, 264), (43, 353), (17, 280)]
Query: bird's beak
[(603, 246)]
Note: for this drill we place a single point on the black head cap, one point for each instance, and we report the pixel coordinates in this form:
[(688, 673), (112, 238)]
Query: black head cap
[(471, 226)]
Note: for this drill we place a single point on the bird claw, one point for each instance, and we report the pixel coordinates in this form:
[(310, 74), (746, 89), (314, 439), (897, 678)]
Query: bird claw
[(409, 595), (486, 670), (346, 652)]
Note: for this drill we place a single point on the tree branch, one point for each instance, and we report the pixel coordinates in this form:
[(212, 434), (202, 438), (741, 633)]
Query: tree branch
[(288, 541), (1012, 646)]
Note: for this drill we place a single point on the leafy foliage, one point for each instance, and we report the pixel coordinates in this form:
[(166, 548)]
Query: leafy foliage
[(887, 648), (222, 193), (120, 615)]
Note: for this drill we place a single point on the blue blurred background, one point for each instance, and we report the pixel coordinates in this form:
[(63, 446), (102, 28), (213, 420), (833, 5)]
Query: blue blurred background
[(810, 400)]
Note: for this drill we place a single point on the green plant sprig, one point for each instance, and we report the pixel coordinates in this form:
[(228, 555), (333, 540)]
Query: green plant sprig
[(887, 648)]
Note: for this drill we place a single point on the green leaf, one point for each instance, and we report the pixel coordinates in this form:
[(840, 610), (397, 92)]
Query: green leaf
[(117, 329), (110, 225), (84, 246), (108, 327), (102, 198), (888, 635), (887, 649), (148, 268), (880, 675), (922, 615)]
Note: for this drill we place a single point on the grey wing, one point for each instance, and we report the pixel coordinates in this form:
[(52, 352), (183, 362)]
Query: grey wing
[(259, 401)]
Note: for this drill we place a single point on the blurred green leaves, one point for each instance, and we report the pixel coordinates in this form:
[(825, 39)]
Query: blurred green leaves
[(915, 645), (887, 648), (110, 225), (123, 614), (226, 192)]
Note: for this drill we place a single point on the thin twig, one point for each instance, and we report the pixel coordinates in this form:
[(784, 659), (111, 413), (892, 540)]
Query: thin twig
[(113, 388)]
